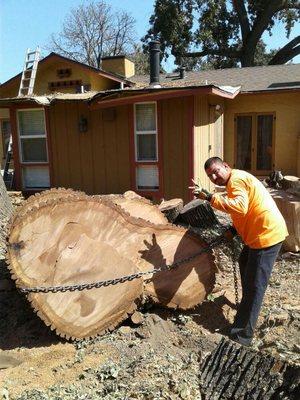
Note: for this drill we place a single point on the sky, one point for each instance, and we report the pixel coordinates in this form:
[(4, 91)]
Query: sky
[(30, 23)]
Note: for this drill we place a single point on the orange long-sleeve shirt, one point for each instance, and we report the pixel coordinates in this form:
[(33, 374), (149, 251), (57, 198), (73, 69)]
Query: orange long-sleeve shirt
[(253, 211)]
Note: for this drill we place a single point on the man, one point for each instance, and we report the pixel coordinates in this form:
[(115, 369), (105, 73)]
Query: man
[(262, 228)]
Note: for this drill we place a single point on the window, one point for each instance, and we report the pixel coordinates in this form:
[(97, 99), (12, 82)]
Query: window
[(146, 146), (254, 138), (33, 148), (32, 134)]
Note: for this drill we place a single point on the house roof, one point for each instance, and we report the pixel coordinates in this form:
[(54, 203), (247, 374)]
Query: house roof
[(49, 57), (251, 79)]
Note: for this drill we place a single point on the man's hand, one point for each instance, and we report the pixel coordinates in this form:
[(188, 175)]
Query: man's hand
[(199, 192)]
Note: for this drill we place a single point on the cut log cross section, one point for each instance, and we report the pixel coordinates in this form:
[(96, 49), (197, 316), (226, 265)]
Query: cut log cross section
[(78, 239)]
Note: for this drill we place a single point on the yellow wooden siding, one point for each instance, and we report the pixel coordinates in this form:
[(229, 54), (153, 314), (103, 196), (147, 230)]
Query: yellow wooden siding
[(48, 73), (175, 143), (208, 134), (287, 125), (96, 161)]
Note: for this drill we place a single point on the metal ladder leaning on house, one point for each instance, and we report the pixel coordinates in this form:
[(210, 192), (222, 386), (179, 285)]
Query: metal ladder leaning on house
[(8, 177), (29, 72)]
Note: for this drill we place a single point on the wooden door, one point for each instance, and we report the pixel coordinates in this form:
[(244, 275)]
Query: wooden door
[(254, 142)]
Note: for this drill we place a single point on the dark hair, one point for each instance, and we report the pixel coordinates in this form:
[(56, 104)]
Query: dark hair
[(211, 161)]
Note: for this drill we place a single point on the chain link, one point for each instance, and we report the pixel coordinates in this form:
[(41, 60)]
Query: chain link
[(234, 270), (123, 279)]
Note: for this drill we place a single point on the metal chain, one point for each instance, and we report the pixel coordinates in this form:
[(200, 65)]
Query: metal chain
[(126, 278), (235, 274)]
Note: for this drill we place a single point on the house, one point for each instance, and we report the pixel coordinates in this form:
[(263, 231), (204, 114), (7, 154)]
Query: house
[(56, 73), (152, 137)]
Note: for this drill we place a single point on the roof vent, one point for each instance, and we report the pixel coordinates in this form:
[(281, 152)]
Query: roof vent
[(154, 48), (182, 72)]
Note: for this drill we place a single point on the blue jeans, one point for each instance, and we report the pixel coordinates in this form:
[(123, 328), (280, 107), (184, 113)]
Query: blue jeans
[(255, 268)]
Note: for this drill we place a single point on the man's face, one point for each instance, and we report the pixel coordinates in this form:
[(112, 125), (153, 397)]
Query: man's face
[(218, 173)]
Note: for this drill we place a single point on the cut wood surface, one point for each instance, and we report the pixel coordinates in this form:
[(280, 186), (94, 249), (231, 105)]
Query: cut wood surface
[(80, 239), (44, 197), (289, 206), (171, 208), (139, 207)]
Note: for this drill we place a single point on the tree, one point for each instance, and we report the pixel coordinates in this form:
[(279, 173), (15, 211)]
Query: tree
[(223, 33), (92, 31)]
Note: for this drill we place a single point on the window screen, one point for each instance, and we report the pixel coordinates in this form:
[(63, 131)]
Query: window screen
[(145, 115), (147, 177), (36, 177), (31, 123)]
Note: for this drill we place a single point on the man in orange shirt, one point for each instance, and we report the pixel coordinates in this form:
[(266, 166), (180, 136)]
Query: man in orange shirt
[(262, 228)]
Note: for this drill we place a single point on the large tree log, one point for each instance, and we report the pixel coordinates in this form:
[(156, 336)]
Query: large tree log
[(6, 211), (234, 372), (198, 213), (78, 239)]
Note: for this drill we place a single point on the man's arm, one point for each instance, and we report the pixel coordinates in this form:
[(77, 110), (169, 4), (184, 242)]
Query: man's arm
[(236, 202)]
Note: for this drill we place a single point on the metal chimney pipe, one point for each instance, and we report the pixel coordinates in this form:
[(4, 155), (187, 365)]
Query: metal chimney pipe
[(154, 48), (182, 72)]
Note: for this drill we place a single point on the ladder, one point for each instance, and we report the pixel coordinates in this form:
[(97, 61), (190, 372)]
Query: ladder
[(8, 176), (29, 72)]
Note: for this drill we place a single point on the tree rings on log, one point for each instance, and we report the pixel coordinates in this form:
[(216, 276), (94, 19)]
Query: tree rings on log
[(140, 208), (80, 239), (171, 208)]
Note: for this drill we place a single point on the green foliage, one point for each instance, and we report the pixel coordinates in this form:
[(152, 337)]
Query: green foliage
[(222, 34)]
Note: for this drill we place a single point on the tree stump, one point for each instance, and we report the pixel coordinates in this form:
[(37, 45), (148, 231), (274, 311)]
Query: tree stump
[(198, 213), (171, 208)]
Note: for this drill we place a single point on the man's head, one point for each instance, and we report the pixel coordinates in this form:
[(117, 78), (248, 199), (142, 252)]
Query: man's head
[(217, 170)]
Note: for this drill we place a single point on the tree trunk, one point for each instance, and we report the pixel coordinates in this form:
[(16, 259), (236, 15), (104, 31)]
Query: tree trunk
[(198, 213), (235, 372), (6, 211), (171, 208), (76, 239)]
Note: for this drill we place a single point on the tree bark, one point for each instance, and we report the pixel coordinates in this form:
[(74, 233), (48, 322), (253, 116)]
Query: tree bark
[(235, 372), (6, 210)]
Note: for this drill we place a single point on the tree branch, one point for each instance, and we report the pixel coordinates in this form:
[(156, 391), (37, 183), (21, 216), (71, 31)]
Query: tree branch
[(225, 52), (289, 51), (241, 11)]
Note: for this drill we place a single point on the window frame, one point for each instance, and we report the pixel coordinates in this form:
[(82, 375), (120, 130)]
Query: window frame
[(254, 131), (136, 133), (44, 136), (151, 193)]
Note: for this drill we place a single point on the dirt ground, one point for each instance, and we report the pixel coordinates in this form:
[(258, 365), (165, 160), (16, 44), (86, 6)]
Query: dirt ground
[(157, 359)]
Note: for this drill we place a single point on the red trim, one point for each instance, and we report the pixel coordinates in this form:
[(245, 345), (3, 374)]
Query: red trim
[(160, 95), (15, 148), (18, 165), (131, 146), (154, 194), (191, 105), (49, 145)]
